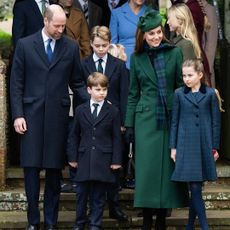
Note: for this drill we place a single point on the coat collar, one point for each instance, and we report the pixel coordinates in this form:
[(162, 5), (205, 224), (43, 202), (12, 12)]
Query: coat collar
[(39, 47), (146, 66), (87, 112), (202, 89), (129, 15), (200, 96)]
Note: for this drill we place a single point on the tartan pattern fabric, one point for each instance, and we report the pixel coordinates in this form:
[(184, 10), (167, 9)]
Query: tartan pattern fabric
[(156, 55)]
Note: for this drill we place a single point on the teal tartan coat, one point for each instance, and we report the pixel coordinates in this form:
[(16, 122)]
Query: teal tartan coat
[(153, 164)]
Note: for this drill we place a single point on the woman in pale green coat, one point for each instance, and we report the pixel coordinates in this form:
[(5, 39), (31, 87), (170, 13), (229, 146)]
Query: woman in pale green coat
[(154, 74)]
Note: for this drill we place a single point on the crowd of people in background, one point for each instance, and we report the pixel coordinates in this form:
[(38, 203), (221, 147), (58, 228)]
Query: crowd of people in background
[(90, 76)]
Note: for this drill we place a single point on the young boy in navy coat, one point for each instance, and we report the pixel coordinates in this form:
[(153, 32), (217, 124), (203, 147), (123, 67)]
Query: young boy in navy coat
[(94, 148), (118, 76)]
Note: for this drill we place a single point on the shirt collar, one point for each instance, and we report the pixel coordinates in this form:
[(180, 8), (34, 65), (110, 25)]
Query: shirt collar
[(96, 58), (100, 103), (45, 38)]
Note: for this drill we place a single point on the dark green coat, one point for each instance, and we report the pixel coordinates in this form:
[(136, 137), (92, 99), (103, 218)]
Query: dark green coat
[(186, 47), (152, 156)]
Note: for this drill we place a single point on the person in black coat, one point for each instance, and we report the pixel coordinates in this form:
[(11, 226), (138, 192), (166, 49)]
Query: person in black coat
[(27, 18), (106, 6), (115, 70), (94, 148), (44, 64)]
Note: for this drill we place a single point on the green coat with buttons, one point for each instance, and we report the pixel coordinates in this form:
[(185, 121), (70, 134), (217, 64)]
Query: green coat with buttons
[(153, 166)]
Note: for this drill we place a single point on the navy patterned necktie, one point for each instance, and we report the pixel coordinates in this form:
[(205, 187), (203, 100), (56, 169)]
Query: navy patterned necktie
[(95, 105), (49, 51), (99, 67)]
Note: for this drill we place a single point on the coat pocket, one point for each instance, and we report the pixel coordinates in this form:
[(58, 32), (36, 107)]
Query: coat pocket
[(28, 100)]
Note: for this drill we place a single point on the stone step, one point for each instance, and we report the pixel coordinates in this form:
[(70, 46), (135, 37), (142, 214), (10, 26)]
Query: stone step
[(218, 220), (14, 175), (216, 196)]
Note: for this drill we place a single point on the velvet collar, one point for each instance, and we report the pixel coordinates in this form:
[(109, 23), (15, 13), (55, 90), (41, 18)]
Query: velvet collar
[(202, 89)]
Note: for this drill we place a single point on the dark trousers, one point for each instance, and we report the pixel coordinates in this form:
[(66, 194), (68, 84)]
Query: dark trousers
[(51, 195), (196, 207), (160, 223), (112, 192), (95, 192)]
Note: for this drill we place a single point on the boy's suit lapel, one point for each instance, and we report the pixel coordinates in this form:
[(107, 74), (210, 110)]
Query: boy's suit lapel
[(110, 66), (87, 113), (91, 64), (104, 111)]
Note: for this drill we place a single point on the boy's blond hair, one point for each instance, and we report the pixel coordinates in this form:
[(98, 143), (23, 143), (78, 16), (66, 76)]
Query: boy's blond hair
[(97, 79), (102, 32)]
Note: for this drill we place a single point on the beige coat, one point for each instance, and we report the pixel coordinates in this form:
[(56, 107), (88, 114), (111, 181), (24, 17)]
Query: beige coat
[(77, 29), (210, 38)]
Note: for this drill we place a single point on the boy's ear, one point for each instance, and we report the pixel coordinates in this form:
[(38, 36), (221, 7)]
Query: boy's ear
[(89, 90)]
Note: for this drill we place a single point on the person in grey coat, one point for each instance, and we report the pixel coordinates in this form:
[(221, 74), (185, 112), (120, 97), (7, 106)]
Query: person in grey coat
[(194, 137)]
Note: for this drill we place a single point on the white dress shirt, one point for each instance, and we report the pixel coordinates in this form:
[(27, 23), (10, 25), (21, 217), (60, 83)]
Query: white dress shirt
[(39, 3), (100, 104), (96, 61), (46, 39)]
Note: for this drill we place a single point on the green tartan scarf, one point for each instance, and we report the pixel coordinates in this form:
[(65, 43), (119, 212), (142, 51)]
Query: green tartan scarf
[(156, 55)]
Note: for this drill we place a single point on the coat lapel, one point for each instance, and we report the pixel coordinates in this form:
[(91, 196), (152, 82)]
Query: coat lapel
[(40, 48), (87, 113), (199, 97), (58, 51), (90, 64), (129, 15), (147, 67), (104, 111), (110, 66), (35, 8)]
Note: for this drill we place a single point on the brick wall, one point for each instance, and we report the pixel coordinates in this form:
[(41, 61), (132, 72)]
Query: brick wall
[(3, 123)]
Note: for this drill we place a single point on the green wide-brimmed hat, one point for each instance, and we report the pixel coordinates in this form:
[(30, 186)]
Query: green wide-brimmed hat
[(150, 20)]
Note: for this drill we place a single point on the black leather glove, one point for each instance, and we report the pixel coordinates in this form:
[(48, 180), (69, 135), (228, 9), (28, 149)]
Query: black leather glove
[(129, 135)]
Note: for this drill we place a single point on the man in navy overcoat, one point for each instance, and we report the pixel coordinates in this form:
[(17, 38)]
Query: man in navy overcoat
[(44, 64)]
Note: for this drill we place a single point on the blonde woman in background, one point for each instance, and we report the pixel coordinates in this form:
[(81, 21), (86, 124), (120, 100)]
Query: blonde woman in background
[(118, 50), (181, 22)]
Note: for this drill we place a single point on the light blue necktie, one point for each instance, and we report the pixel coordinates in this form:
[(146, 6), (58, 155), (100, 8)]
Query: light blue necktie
[(49, 51)]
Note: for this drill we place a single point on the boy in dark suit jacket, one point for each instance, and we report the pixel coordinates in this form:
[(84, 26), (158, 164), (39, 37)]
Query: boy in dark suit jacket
[(94, 148), (118, 76)]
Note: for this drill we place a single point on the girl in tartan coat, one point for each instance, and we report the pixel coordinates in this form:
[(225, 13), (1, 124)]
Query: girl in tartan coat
[(194, 137)]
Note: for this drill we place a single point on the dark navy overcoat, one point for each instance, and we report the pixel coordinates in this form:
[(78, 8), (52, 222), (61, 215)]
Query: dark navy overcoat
[(195, 131), (39, 93), (95, 144)]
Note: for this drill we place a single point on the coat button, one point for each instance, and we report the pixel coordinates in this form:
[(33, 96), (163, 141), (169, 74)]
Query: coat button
[(94, 128), (93, 138), (197, 115), (197, 125), (93, 147)]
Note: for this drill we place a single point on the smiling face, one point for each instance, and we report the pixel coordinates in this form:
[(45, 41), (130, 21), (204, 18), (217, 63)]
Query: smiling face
[(98, 93), (154, 37), (100, 46), (192, 78)]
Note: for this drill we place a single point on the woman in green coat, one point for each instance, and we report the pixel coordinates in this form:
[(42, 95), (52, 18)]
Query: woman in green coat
[(154, 75)]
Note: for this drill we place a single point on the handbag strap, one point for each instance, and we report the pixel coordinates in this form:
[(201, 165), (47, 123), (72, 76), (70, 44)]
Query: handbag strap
[(130, 150)]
